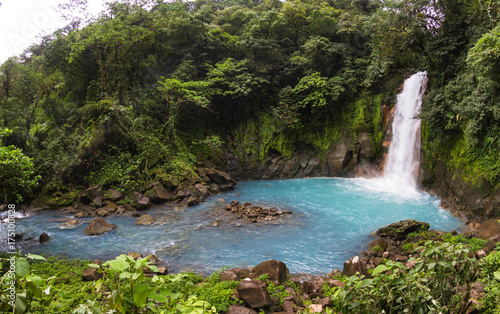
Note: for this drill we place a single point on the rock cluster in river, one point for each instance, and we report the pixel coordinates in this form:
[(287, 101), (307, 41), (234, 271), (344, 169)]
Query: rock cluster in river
[(239, 214)]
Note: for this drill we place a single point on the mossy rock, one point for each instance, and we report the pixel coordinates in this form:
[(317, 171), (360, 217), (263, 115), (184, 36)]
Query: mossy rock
[(401, 230)]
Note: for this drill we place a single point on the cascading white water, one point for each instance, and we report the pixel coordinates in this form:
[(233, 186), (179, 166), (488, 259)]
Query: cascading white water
[(404, 151)]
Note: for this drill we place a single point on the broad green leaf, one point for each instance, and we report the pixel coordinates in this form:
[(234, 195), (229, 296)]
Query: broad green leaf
[(431, 265), (156, 297), (379, 269), (141, 293), (22, 267), (21, 303), (34, 256), (397, 281), (33, 288), (136, 275), (98, 284), (117, 265), (37, 280), (125, 274)]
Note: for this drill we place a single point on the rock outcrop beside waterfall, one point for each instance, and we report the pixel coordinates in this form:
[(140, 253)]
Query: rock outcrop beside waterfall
[(346, 157), (471, 201)]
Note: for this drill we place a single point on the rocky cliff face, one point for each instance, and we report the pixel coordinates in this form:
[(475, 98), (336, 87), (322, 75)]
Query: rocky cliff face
[(346, 157), (471, 201)]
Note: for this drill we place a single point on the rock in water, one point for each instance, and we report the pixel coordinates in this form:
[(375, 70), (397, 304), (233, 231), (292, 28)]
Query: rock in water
[(400, 230), (145, 220), (44, 238), (98, 226)]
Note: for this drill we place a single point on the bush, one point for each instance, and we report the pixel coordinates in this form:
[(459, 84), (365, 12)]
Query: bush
[(17, 175)]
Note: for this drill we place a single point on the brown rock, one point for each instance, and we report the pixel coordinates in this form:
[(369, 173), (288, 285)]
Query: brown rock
[(277, 270), (192, 201), (489, 229), (242, 272), (44, 238), (202, 189), (90, 194), (335, 283), (102, 212), (145, 220), (288, 307), (220, 177), (163, 270), (91, 274), (135, 255), (229, 275), (154, 260), (310, 287), (238, 309), (98, 226), (352, 266), (112, 205), (254, 293), (160, 195), (379, 242), (400, 230), (141, 202), (113, 195)]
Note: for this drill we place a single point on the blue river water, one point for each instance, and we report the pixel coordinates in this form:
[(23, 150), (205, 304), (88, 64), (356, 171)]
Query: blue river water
[(333, 219)]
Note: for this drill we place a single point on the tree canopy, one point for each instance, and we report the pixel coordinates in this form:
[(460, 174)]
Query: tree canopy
[(153, 79)]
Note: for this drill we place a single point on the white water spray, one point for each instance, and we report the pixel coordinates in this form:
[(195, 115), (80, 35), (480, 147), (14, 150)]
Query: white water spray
[(404, 151)]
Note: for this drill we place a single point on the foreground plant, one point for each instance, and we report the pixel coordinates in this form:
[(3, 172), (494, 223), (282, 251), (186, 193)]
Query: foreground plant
[(439, 280), (127, 273), (19, 287)]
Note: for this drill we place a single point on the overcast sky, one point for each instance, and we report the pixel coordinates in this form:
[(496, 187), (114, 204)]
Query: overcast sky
[(21, 21)]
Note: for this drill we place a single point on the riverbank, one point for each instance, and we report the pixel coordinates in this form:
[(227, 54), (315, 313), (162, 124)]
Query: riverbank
[(408, 267)]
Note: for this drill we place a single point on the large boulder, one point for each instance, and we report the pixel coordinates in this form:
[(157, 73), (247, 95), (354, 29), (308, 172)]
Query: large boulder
[(44, 238), (353, 266), (254, 293), (489, 229), (276, 270), (220, 177), (98, 226), (91, 194), (113, 195), (378, 243), (141, 202), (400, 230), (160, 195)]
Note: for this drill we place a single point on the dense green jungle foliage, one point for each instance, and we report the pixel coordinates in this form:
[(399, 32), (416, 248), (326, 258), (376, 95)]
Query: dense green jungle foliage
[(149, 87)]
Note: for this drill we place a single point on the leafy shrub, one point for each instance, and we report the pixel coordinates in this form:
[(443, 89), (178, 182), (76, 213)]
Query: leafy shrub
[(17, 174), (20, 287), (437, 281), (490, 268)]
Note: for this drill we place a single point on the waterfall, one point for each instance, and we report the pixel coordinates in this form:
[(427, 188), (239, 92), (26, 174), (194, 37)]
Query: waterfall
[(403, 158)]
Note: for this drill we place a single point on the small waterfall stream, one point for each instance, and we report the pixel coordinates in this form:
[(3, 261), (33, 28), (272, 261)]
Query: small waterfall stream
[(403, 158)]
